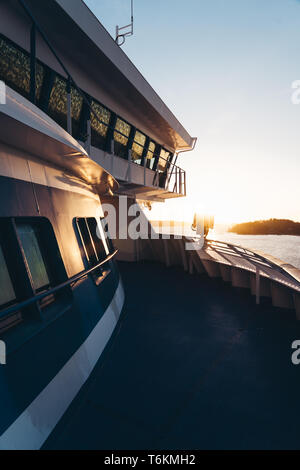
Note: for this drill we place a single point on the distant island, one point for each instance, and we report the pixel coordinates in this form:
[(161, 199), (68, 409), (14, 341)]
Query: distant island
[(267, 227)]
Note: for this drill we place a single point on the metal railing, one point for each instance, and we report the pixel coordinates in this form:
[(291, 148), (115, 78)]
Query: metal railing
[(172, 179), (261, 264), (54, 290)]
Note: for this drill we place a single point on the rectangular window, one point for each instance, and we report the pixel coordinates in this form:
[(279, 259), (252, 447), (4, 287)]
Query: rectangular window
[(58, 105), (107, 235), (15, 69), (99, 126), (30, 240), (138, 147), (150, 156), (7, 295), (163, 160), (121, 134), (91, 238), (30, 263), (7, 292)]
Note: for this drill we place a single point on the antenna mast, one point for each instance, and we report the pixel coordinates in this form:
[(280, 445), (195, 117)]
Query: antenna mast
[(125, 31)]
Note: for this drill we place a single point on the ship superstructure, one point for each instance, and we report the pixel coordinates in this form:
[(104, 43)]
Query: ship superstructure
[(79, 126)]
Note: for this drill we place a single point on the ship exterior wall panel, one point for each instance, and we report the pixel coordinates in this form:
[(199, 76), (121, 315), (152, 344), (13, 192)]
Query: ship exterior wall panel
[(62, 332)]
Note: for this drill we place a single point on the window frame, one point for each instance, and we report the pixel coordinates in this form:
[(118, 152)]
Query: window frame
[(19, 271), (103, 270)]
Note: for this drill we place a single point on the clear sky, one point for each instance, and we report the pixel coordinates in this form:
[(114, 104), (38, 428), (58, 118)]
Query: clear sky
[(225, 68)]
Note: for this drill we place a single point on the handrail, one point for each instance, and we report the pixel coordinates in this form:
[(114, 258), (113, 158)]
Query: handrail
[(258, 260), (26, 303)]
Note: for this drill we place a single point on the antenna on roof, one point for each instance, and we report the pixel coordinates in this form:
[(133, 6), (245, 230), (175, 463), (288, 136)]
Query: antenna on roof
[(125, 31)]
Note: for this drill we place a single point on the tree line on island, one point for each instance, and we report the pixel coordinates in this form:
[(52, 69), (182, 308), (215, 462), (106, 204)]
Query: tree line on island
[(267, 227)]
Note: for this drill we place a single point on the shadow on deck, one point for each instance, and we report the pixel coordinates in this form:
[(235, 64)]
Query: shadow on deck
[(194, 364)]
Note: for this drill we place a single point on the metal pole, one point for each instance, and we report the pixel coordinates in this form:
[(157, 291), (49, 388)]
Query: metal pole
[(129, 165), (145, 162), (112, 151), (33, 63), (180, 182)]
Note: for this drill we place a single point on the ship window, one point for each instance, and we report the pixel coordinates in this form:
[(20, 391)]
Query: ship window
[(163, 160), (107, 235), (58, 104), (7, 292), (7, 296), (121, 134), (150, 156), (138, 147), (30, 238), (15, 69), (99, 129), (91, 240), (30, 263)]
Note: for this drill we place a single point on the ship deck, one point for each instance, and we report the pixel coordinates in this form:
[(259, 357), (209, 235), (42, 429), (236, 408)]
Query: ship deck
[(193, 364)]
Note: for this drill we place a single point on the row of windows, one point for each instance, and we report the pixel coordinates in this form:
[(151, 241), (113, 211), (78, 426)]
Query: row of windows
[(30, 261), (51, 97)]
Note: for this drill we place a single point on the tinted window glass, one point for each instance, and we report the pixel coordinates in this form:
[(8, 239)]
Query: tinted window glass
[(15, 69), (7, 293), (99, 126), (92, 240), (87, 241), (163, 160), (121, 134), (58, 104), (138, 147), (29, 237), (150, 156), (96, 237)]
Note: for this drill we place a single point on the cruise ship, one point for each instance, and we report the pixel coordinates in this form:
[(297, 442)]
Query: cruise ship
[(108, 340)]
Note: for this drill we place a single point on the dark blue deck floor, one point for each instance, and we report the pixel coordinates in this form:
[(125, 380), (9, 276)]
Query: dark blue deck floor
[(194, 364)]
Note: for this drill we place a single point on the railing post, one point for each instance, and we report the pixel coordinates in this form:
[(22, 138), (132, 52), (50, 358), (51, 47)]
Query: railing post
[(33, 63), (175, 183), (144, 163), (129, 165), (180, 182), (112, 151), (112, 146), (69, 107)]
